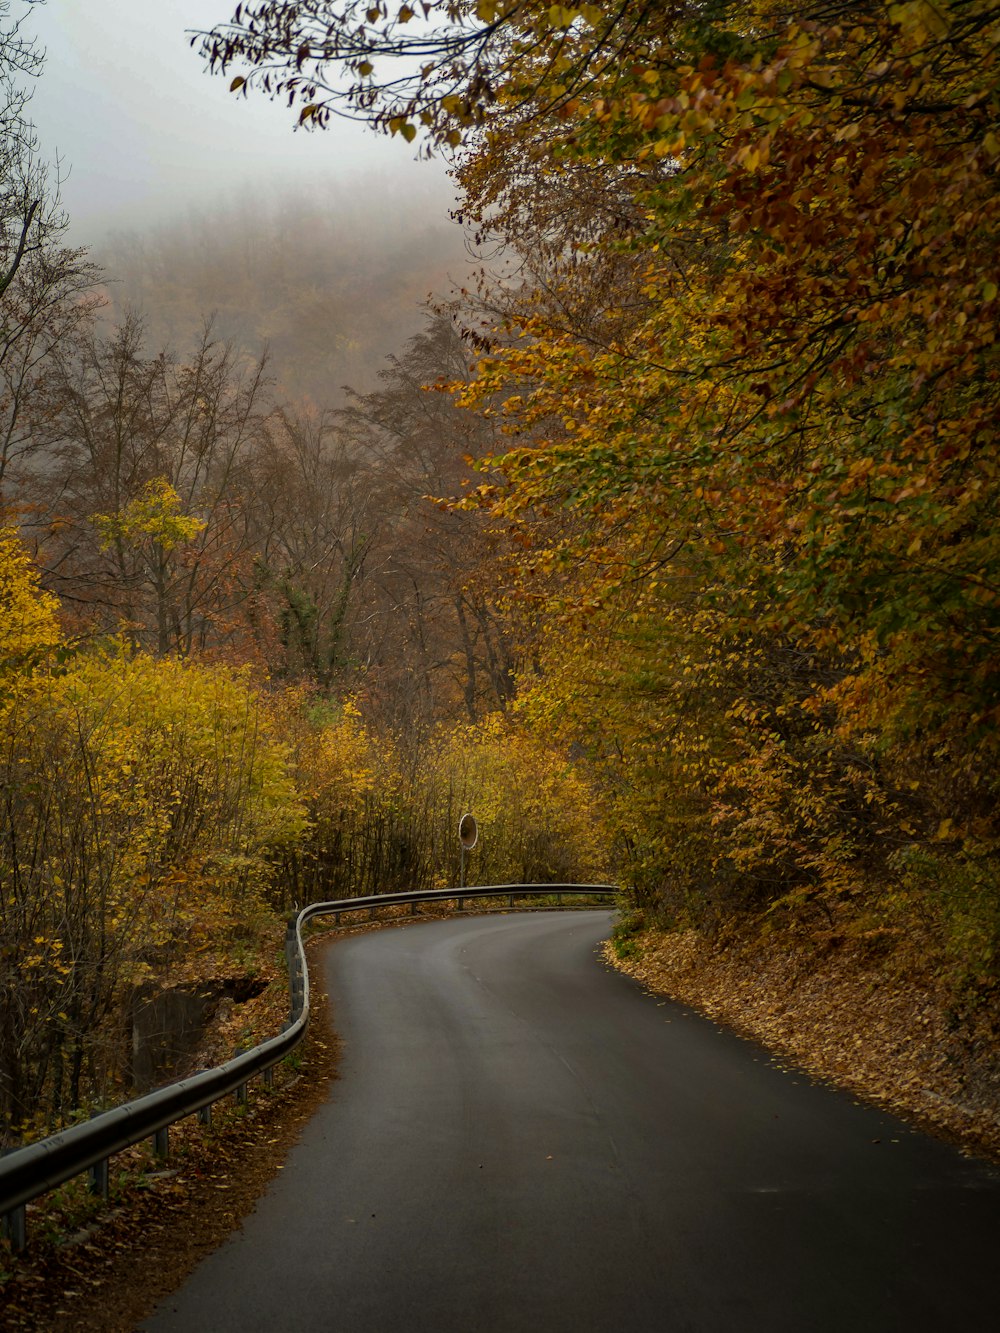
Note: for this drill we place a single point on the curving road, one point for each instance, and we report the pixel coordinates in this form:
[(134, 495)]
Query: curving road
[(521, 1139)]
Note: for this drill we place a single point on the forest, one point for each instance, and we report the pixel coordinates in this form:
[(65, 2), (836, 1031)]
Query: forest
[(668, 545)]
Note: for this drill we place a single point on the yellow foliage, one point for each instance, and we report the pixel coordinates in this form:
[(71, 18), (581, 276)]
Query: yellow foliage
[(29, 627), (146, 805), (537, 815), (154, 515), (749, 440)]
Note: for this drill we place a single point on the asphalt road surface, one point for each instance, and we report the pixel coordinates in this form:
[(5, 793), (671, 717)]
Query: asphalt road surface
[(521, 1139)]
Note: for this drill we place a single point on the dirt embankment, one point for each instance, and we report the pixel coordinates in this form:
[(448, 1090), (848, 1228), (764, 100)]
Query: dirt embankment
[(854, 1012)]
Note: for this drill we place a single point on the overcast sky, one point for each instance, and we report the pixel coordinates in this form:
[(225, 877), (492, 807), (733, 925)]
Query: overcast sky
[(146, 134)]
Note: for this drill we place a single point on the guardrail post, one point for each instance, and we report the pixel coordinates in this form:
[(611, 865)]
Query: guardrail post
[(205, 1115), (99, 1179), (15, 1229), (413, 909), (510, 900), (268, 1076), (241, 1095), (161, 1143)]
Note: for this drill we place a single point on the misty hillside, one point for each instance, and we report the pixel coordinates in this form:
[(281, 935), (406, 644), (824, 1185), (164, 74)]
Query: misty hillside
[(330, 285)]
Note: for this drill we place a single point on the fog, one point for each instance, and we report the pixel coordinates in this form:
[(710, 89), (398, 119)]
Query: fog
[(180, 188), (147, 133), (329, 280)]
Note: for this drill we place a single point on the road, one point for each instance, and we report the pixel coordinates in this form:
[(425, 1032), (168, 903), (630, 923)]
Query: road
[(521, 1139)]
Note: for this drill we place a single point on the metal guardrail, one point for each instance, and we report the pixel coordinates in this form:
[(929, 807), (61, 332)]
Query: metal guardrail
[(26, 1173)]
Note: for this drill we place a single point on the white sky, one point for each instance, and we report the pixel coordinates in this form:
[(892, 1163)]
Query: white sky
[(146, 134)]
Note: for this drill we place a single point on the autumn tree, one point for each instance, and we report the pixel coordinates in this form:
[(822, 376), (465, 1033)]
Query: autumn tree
[(539, 818), (439, 645), (29, 626), (26, 209), (816, 310), (45, 287), (146, 491), (317, 513), (440, 71), (145, 805)]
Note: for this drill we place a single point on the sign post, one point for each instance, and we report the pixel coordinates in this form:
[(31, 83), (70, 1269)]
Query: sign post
[(468, 836)]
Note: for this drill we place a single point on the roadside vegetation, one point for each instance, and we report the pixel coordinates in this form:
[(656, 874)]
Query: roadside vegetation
[(669, 550), (158, 810)]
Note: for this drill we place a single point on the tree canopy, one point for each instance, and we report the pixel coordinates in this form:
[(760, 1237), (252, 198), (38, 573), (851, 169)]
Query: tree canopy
[(739, 337)]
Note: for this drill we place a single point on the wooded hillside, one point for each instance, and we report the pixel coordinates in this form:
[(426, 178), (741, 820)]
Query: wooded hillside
[(324, 280)]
